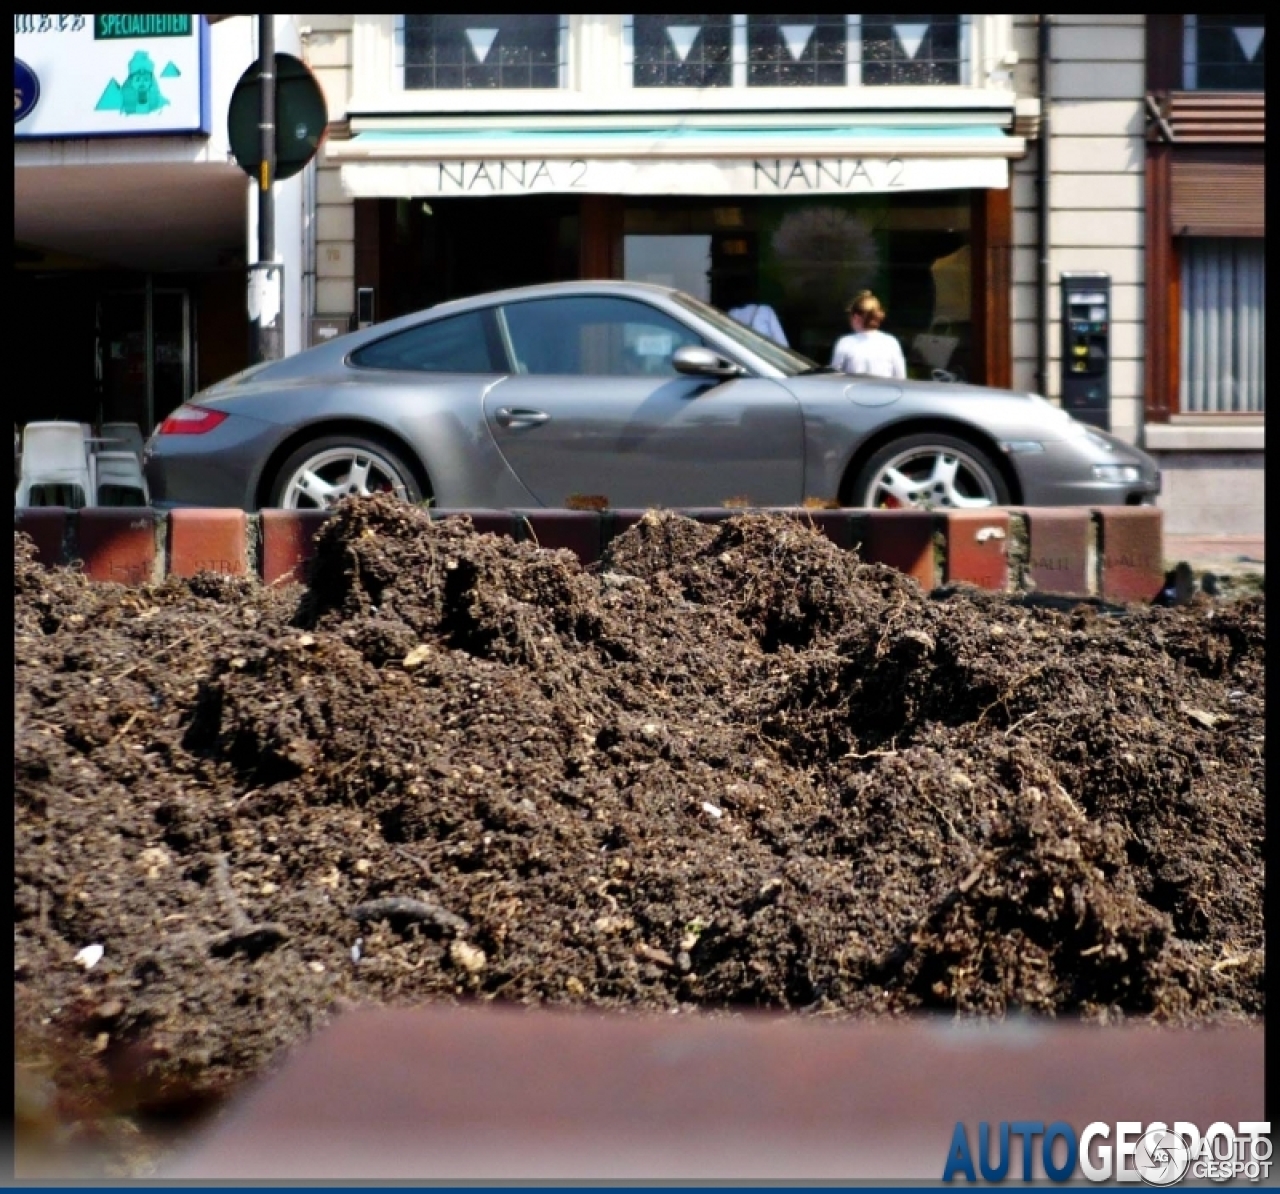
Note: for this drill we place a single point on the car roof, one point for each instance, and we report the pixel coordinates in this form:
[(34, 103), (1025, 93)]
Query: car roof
[(550, 290), (300, 364)]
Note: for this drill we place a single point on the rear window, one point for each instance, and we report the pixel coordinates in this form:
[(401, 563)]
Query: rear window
[(460, 344)]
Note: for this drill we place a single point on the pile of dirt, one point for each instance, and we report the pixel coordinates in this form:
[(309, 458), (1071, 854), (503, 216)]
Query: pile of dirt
[(732, 766)]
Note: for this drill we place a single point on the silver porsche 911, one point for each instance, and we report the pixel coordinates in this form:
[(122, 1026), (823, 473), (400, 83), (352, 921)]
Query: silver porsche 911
[(620, 394)]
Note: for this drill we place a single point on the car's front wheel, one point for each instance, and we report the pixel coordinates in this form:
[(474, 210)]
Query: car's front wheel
[(930, 471), (324, 471)]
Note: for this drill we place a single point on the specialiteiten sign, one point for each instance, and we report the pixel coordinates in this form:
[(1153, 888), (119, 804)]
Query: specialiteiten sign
[(111, 74)]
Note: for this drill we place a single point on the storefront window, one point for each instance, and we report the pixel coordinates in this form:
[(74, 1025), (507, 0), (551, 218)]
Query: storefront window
[(482, 52), (797, 50), (1223, 326), (807, 257), (1223, 53)]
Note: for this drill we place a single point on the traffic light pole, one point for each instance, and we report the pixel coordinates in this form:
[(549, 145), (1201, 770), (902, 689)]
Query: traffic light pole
[(266, 277)]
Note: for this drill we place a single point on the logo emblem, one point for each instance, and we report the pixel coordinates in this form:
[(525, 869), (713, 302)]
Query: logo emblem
[(26, 90), (1162, 1158)]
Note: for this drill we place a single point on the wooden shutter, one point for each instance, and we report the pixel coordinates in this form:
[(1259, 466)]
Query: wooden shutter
[(1217, 194)]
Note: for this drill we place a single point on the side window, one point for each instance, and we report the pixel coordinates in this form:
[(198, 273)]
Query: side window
[(457, 345), (608, 337)]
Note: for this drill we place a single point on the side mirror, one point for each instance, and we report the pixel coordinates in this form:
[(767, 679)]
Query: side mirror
[(703, 362)]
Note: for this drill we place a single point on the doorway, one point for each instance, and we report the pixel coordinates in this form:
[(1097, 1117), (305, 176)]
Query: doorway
[(145, 357)]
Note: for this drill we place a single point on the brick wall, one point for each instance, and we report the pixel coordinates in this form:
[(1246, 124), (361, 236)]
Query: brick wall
[(1115, 553)]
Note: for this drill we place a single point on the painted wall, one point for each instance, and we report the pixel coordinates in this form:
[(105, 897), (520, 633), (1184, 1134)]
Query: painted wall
[(1097, 80)]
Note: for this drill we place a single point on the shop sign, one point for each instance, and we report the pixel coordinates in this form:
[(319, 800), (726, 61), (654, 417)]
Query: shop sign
[(113, 74), (748, 176)]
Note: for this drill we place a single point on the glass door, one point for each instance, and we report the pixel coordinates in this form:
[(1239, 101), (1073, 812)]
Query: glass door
[(682, 261), (144, 354)]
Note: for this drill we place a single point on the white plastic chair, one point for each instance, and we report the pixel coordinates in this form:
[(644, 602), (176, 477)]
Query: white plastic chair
[(120, 437), (119, 479), (55, 467)]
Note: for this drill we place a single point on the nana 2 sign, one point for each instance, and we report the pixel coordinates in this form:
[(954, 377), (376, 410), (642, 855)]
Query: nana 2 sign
[(112, 74)]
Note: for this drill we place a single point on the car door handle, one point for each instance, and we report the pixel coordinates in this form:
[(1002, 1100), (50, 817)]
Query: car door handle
[(518, 416)]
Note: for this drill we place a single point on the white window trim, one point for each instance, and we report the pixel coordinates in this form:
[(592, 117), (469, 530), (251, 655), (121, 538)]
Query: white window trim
[(596, 76)]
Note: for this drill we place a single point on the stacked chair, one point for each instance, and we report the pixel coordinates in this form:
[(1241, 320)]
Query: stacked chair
[(119, 480), (65, 464)]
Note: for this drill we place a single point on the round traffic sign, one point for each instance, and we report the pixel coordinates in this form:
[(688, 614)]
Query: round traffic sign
[(301, 118), (26, 90)]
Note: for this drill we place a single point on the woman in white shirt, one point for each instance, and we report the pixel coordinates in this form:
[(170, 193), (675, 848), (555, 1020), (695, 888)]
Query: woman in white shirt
[(868, 350)]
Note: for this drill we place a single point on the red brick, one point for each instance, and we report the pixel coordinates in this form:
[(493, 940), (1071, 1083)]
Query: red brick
[(288, 543), (496, 1094), (486, 522), (117, 543), (902, 539), (1060, 551), (1132, 551), (977, 548), (208, 541), (580, 531), (47, 528)]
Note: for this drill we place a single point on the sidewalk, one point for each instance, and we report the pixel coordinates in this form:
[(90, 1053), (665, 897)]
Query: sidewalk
[(1224, 554), (1221, 565)]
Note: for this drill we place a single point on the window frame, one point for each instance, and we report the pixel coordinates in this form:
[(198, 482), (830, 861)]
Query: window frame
[(562, 65), (740, 65), (1190, 61)]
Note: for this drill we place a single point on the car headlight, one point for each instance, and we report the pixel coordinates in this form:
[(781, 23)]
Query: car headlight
[(1118, 474)]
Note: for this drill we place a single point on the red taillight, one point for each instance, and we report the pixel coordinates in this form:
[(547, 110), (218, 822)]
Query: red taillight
[(191, 420)]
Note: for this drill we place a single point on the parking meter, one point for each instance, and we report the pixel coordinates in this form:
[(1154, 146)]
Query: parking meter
[(1086, 347)]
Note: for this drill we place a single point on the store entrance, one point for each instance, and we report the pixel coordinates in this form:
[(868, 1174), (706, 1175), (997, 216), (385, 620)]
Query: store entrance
[(429, 251)]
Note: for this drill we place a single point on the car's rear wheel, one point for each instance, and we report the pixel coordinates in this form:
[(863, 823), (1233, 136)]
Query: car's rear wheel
[(324, 471), (930, 471)]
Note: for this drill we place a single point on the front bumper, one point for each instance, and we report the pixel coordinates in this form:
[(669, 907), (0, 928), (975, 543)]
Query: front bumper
[(1061, 473)]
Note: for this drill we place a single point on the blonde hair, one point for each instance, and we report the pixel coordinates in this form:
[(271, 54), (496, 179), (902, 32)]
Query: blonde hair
[(867, 307)]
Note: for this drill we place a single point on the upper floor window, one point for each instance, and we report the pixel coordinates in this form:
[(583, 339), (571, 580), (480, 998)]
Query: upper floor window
[(1223, 53), (796, 50), (682, 51), (483, 52)]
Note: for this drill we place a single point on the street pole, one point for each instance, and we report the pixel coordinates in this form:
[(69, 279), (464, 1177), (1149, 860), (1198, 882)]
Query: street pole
[(266, 277)]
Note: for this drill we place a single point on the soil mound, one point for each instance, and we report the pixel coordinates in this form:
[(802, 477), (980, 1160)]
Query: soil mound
[(732, 766)]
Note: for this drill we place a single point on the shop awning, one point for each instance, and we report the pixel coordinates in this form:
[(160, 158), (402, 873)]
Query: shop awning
[(681, 158)]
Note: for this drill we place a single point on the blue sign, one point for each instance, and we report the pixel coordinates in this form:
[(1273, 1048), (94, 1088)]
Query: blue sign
[(26, 90)]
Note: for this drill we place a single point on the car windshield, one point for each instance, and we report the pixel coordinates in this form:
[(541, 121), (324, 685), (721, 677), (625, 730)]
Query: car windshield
[(787, 360)]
